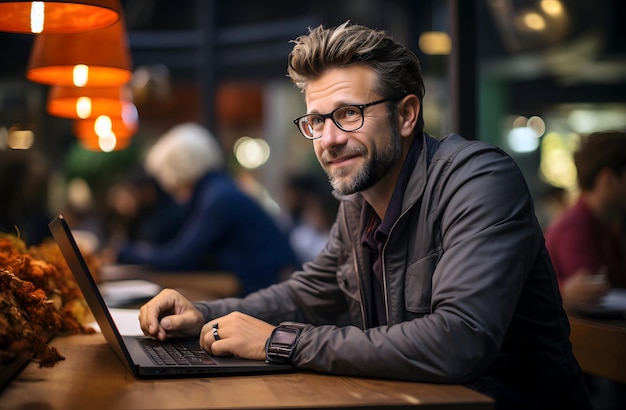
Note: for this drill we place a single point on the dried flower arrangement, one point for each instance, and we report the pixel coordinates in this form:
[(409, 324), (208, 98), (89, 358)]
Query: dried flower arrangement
[(38, 298)]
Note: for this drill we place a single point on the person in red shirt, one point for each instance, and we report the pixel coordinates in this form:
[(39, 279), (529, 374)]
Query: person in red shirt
[(586, 242)]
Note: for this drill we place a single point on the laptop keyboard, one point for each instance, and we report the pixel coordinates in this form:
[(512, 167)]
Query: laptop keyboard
[(176, 353)]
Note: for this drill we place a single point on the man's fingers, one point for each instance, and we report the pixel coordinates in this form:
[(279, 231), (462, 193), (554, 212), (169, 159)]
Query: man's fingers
[(149, 321), (236, 334), (153, 314)]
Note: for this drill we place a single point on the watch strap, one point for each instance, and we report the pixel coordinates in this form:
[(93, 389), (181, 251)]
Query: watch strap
[(279, 346)]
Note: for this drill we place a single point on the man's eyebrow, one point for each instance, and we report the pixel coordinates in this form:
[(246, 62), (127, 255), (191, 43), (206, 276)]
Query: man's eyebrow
[(339, 104)]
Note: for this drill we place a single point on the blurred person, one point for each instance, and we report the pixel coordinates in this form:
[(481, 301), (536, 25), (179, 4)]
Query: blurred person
[(224, 229), (551, 202), (586, 243), (436, 269), (80, 209), (312, 209), (139, 210)]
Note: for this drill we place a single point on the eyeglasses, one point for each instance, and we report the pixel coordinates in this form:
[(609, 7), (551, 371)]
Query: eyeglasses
[(347, 118)]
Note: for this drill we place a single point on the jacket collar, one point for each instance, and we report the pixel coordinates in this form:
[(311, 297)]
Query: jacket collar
[(419, 177)]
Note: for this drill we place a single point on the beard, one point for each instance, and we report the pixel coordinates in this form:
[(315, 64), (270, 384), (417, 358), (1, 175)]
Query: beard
[(348, 181)]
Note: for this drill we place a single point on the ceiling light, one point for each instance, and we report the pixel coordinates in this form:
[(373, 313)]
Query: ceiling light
[(57, 16)]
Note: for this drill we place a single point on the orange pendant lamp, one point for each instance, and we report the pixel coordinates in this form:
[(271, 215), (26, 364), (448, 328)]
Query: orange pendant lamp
[(105, 133), (94, 58), (86, 102), (105, 143), (59, 16)]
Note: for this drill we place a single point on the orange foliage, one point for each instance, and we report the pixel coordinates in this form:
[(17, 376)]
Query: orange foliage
[(38, 298)]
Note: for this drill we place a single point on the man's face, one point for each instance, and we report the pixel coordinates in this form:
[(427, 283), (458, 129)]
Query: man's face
[(357, 160)]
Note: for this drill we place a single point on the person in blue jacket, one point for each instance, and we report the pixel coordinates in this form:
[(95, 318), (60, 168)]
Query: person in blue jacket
[(224, 228)]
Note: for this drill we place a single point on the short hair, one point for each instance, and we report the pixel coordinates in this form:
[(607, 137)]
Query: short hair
[(397, 68), (183, 155), (597, 151)]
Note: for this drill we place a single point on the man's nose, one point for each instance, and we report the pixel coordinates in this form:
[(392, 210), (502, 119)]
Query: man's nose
[(332, 135)]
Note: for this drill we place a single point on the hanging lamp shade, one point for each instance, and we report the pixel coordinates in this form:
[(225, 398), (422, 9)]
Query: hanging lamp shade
[(107, 133), (105, 143), (21, 16), (94, 58), (122, 126), (87, 102), (104, 133)]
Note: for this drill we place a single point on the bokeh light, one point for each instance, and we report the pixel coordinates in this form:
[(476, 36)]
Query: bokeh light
[(251, 152), (525, 133), (557, 162)]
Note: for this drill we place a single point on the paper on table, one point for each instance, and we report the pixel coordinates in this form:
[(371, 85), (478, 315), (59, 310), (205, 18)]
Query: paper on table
[(615, 299), (612, 305), (126, 320), (118, 293)]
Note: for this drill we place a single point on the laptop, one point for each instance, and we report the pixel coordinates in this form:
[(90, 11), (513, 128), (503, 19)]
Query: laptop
[(145, 357)]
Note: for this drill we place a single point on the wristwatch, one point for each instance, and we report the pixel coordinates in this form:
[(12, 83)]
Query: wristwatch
[(279, 346)]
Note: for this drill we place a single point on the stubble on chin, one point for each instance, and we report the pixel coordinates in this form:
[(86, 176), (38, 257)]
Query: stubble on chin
[(344, 180), (340, 182), (347, 181), (350, 180)]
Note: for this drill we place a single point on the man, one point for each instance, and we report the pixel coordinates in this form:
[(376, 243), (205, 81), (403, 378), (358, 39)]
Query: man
[(586, 241), (435, 270)]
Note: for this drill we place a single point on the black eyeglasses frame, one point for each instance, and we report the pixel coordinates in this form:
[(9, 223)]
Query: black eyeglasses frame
[(330, 115)]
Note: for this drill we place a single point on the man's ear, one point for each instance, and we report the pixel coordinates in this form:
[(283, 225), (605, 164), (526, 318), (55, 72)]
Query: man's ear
[(408, 113)]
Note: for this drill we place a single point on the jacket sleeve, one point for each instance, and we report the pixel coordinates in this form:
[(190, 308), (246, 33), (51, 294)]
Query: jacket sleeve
[(490, 243), (309, 296)]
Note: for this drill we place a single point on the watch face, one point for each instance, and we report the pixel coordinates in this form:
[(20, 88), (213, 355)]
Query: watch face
[(284, 336)]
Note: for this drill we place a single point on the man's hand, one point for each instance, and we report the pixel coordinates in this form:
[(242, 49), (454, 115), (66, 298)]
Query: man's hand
[(170, 314), (238, 335)]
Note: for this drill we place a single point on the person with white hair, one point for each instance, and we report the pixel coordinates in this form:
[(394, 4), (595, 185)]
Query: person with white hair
[(224, 229)]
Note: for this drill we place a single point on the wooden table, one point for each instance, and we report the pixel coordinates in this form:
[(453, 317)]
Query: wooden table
[(91, 377), (600, 346), (194, 285)]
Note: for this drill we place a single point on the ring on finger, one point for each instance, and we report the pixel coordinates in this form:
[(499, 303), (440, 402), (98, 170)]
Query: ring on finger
[(215, 334)]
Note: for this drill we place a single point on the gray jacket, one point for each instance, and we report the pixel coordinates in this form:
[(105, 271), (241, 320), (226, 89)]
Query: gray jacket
[(470, 294)]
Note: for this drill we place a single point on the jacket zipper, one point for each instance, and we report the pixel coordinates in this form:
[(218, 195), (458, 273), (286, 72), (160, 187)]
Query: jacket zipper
[(383, 261), (357, 271)]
